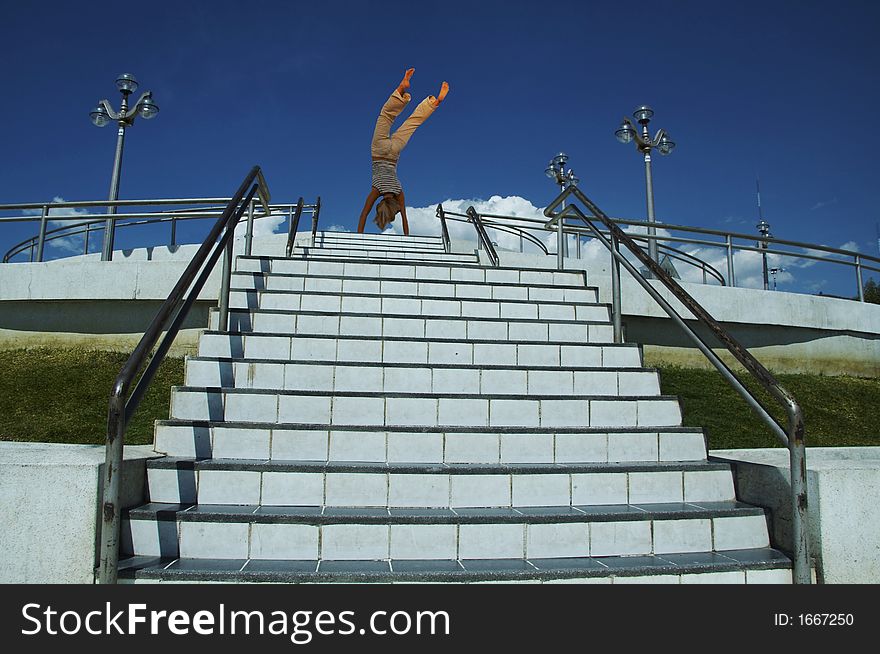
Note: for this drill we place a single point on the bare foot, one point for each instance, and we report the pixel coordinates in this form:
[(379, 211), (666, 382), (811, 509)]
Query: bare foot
[(404, 83), (444, 89)]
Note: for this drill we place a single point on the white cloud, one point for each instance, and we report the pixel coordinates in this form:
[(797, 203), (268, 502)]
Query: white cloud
[(268, 225), (337, 228), (72, 217)]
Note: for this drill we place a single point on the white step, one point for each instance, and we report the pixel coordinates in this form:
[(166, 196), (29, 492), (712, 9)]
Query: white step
[(408, 271), (442, 290), (435, 256), (378, 241), (294, 443), (467, 380), (210, 539), (415, 306), (439, 350), (357, 323), (422, 411), (446, 486)]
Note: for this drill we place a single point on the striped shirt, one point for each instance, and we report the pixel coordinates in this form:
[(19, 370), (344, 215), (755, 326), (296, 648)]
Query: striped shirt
[(385, 177)]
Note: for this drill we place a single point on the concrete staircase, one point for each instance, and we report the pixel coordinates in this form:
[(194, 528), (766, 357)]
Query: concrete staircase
[(381, 410)]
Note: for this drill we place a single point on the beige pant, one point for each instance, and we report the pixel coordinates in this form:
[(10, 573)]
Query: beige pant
[(386, 145)]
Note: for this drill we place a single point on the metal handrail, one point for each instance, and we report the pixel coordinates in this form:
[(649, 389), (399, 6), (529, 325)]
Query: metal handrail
[(523, 232), (444, 230), (83, 222), (792, 436), (315, 214), (292, 226), (483, 236), (168, 319), (858, 260)]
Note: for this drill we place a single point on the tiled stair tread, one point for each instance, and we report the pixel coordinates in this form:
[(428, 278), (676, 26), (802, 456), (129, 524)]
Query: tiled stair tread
[(457, 396), (431, 429), (579, 272), (462, 570), (317, 515), (277, 465), (442, 298), (415, 339), (416, 248), (508, 284), (444, 317), (446, 366), (353, 254)]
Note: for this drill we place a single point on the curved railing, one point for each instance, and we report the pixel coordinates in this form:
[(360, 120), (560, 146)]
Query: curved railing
[(127, 394), (85, 224), (728, 242), (792, 435), (503, 224)]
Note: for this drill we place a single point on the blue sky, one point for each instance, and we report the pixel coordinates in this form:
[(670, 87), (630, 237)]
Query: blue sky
[(782, 90)]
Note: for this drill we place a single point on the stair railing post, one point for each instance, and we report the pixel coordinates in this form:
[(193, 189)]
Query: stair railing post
[(731, 277), (249, 234), (616, 310), (858, 261), (225, 284), (559, 243), (41, 242)]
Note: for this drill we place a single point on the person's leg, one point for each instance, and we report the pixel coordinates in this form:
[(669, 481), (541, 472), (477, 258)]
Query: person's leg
[(380, 146), (419, 115), (368, 204)]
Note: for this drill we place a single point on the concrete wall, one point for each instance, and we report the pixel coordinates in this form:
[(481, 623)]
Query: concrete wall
[(50, 496), (83, 301), (843, 486)]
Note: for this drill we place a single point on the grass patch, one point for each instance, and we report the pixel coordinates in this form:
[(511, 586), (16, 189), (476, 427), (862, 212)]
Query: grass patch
[(838, 411), (61, 396)]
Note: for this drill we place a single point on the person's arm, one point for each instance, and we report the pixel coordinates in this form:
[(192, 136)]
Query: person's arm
[(402, 204), (368, 204)]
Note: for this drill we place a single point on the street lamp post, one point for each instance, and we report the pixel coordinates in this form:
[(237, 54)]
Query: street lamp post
[(627, 133), (764, 228), (556, 171), (101, 116)]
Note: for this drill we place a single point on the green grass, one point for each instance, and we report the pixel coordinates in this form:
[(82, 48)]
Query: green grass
[(61, 395), (838, 411)]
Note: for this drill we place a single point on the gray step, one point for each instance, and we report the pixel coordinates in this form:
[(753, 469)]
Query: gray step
[(436, 289), (456, 486), (350, 323), (259, 532), (282, 442), (422, 410), (752, 566), (316, 267), (308, 301), (441, 349)]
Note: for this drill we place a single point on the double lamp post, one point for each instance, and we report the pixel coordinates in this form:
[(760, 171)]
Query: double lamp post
[(102, 115)]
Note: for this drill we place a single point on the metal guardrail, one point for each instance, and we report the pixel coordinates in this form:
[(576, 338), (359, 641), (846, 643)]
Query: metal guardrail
[(792, 435), (169, 319), (729, 242), (87, 224)]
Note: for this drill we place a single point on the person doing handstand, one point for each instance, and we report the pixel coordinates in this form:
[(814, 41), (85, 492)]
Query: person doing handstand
[(385, 150)]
